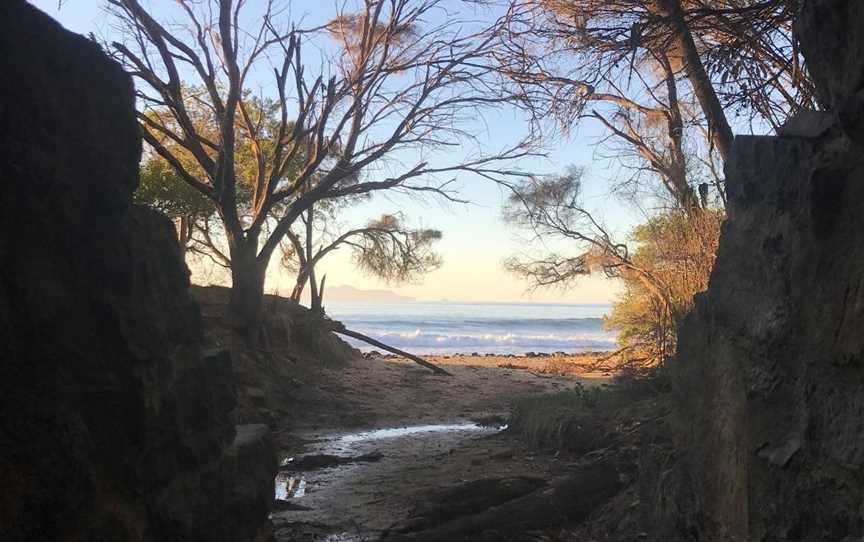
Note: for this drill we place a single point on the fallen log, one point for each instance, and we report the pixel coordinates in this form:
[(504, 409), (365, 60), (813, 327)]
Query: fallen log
[(338, 327), (567, 500), (465, 499)]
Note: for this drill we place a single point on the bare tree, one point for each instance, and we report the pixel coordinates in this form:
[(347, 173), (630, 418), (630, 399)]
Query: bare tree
[(752, 56), (394, 90), (681, 40), (550, 209), (726, 54), (673, 259), (643, 112), (659, 76), (384, 248)]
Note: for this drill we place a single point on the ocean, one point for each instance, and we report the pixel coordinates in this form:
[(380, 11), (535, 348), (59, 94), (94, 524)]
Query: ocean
[(485, 328)]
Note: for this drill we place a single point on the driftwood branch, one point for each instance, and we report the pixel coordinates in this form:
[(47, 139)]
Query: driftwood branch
[(338, 327)]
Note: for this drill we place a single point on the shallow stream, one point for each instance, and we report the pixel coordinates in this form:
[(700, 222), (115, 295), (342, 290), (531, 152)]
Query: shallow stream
[(352, 486)]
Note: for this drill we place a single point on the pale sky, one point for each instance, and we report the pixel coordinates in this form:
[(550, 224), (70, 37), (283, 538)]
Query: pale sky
[(475, 239)]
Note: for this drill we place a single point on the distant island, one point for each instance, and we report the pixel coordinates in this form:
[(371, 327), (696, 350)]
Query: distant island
[(350, 293)]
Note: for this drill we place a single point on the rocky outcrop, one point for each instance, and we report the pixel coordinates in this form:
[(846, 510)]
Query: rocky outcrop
[(771, 361), (830, 34), (271, 380), (114, 423)]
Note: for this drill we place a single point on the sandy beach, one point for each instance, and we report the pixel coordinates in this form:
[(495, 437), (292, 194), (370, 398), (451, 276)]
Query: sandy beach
[(377, 390), (589, 365)]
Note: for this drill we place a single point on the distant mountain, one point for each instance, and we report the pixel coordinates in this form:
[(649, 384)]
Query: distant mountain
[(350, 293)]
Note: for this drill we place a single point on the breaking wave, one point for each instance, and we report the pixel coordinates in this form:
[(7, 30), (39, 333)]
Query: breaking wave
[(505, 324), (442, 328), (420, 341)]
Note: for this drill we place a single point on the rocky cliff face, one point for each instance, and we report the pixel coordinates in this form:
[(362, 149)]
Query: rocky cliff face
[(771, 361), (115, 424)]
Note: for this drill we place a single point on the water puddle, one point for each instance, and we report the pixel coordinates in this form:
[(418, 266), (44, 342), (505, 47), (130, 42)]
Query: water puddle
[(396, 432), (289, 487), (343, 480)]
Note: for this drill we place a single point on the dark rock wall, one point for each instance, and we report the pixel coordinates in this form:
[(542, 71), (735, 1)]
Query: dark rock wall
[(114, 425), (831, 36), (771, 361)]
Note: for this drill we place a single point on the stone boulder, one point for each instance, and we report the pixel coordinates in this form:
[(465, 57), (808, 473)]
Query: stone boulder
[(113, 419), (831, 37), (770, 368)]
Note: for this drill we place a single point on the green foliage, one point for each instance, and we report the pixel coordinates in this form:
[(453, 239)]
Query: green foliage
[(553, 420), (162, 189), (678, 251), (646, 330), (577, 419), (160, 183), (388, 250)]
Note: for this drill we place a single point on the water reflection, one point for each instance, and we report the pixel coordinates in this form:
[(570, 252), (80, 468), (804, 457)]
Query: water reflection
[(395, 432), (336, 475), (289, 487)]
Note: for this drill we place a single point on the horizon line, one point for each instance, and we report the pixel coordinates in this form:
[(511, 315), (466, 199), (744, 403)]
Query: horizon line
[(407, 299)]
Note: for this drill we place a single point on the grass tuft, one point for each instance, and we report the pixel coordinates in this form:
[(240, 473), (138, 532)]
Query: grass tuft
[(578, 419)]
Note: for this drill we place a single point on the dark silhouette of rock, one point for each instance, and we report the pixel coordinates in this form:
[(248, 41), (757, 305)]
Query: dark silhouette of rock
[(771, 361), (466, 499), (830, 34), (516, 507), (114, 424)]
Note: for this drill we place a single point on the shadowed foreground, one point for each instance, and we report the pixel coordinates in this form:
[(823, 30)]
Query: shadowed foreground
[(115, 419)]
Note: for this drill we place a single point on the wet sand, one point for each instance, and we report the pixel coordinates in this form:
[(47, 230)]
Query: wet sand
[(377, 391), (360, 501)]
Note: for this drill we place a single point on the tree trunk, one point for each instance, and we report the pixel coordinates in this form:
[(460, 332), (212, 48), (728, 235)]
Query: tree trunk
[(718, 125), (321, 293), (339, 327), (299, 285), (183, 224), (302, 273), (677, 170), (247, 289), (315, 302)]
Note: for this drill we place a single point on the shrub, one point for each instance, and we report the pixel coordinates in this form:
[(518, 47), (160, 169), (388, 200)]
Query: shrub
[(678, 251)]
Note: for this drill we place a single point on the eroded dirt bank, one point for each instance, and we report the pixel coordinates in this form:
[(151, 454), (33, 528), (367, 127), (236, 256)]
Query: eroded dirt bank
[(450, 434)]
